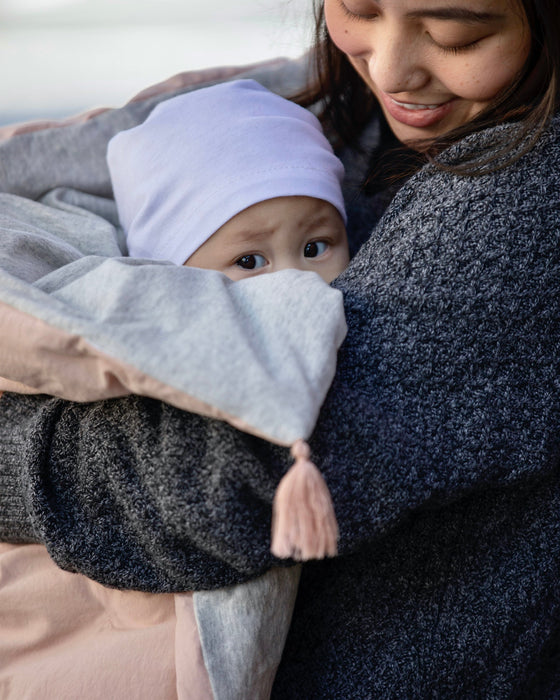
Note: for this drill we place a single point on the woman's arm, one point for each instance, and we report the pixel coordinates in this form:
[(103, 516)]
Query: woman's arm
[(136, 493), (448, 381)]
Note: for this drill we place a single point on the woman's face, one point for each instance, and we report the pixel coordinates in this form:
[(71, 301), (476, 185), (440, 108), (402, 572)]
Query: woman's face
[(433, 64)]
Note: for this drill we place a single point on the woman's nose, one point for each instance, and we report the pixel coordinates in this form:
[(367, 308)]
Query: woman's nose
[(395, 61)]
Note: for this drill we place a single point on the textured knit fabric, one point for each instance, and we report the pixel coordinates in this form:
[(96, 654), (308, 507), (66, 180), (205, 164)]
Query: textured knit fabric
[(440, 442)]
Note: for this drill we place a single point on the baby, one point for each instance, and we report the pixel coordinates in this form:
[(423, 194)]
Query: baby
[(236, 179), (231, 178)]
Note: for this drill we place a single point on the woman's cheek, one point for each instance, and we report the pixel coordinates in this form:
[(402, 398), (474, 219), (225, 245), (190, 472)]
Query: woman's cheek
[(480, 83), (472, 80), (349, 40)]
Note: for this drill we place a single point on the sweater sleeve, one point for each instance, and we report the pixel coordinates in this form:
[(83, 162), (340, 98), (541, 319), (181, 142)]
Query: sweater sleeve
[(447, 384), (448, 379), (135, 493)]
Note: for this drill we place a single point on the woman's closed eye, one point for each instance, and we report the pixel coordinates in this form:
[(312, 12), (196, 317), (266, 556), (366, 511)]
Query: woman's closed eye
[(314, 249), (459, 45), (251, 261), (458, 49), (358, 9)]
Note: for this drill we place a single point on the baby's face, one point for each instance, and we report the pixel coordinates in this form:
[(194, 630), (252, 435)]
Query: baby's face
[(285, 232)]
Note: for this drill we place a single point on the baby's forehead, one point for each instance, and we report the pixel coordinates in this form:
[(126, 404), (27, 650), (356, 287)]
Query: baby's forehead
[(275, 219)]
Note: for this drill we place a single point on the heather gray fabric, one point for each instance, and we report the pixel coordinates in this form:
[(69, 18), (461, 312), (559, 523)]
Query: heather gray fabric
[(439, 440), (262, 350), (243, 630)]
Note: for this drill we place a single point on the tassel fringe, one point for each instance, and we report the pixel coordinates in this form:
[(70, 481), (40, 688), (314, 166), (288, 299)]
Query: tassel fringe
[(303, 520)]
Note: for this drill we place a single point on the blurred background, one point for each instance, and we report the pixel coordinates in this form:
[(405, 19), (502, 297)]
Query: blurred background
[(60, 57)]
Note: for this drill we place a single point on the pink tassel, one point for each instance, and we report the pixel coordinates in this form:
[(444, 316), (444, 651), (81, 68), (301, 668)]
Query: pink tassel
[(303, 520)]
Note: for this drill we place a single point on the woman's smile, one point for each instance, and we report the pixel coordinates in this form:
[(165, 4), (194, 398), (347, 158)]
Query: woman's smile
[(416, 114)]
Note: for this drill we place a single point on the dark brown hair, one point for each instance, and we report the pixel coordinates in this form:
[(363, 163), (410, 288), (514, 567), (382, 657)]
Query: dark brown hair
[(347, 103)]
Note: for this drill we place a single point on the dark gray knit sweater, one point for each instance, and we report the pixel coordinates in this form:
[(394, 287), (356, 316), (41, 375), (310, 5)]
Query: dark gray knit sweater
[(440, 441)]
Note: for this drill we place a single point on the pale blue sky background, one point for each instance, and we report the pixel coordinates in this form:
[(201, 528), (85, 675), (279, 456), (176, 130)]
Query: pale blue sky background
[(59, 57)]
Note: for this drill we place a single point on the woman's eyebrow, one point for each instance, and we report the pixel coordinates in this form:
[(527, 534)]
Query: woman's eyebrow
[(457, 14)]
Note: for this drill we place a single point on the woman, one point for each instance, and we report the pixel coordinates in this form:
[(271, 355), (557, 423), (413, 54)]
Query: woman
[(440, 437)]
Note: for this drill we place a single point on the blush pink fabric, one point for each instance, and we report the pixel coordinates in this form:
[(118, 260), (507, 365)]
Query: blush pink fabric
[(63, 637)]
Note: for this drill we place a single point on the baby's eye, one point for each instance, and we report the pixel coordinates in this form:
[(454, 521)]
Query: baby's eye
[(253, 261), (315, 248)]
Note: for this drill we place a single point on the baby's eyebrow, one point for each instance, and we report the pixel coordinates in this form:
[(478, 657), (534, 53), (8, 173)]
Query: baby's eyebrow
[(248, 236), (245, 240)]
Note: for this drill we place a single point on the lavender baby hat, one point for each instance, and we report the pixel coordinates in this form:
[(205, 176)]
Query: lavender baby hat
[(204, 156)]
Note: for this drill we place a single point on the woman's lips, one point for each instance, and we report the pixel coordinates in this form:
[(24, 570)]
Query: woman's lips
[(415, 113)]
